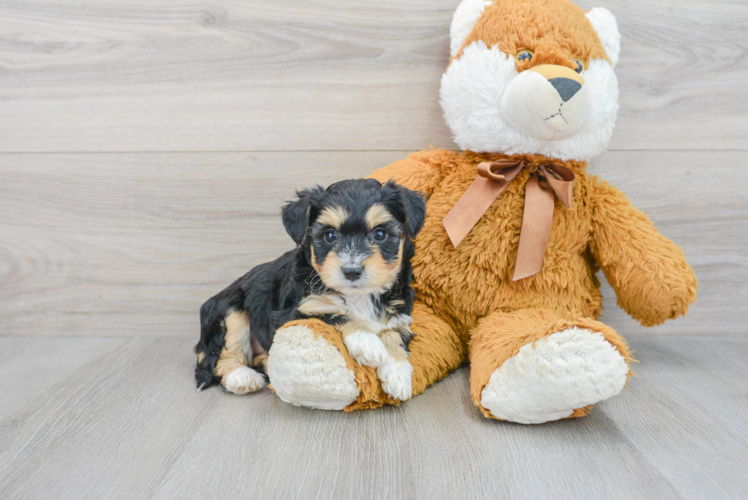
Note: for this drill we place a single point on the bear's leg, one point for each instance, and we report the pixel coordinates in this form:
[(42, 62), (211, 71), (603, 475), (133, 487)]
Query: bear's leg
[(308, 363), (436, 350), (533, 366)]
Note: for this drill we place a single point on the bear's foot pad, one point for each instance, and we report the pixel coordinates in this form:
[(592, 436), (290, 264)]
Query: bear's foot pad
[(547, 381), (306, 370)]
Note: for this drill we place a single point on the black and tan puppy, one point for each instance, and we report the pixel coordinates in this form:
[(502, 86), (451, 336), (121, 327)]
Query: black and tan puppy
[(351, 268)]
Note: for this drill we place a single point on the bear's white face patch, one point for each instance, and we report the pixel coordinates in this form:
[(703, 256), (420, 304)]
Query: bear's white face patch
[(490, 107)]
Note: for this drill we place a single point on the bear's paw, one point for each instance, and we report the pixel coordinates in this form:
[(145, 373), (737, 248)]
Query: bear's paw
[(306, 370), (551, 378)]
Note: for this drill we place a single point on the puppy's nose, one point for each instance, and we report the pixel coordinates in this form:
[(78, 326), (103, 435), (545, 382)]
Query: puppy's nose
[(565, 87), (352, 273)]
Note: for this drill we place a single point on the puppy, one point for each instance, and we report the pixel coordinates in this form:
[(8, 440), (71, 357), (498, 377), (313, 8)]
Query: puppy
[(351, 269)]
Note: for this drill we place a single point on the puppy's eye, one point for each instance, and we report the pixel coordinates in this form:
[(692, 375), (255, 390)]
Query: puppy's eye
[(379, 235), (330, 236), (579, 65), (524, 55)]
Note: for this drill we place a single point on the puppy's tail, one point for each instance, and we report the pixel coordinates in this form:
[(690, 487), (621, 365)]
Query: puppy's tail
[(208, 349), (204, 370)]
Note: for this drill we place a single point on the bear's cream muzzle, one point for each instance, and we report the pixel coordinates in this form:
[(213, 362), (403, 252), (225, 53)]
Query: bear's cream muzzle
[(548, 102)]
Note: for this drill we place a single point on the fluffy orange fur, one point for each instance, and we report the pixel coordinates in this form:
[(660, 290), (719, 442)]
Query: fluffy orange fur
[(649, 272), (468, 308), (471, 288), (550, 29)]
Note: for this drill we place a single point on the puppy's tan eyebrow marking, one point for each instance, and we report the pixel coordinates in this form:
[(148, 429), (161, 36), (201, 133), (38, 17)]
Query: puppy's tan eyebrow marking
[(377, 215), (333, 216)]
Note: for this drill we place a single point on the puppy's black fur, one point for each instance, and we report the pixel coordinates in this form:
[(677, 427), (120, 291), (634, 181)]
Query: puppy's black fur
[(271, 293)]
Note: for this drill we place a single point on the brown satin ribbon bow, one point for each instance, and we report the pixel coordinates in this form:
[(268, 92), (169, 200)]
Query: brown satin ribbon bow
[(493, 178)]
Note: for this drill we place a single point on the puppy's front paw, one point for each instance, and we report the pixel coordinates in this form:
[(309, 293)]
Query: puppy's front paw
[(366, 348), (396, 378), (244, 380)]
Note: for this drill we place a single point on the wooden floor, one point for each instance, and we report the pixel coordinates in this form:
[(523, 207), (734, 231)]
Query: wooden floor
[(145, 149), (119, 418)]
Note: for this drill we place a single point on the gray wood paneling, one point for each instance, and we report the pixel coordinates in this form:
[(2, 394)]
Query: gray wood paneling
[(126, 422), (694, 199), (111, 245), (119, 75), (132, 244)]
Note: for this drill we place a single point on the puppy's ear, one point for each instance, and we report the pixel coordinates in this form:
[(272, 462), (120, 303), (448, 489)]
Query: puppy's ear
[(296, 215), (415, 208)]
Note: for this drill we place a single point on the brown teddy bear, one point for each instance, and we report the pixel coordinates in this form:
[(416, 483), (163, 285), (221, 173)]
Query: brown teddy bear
[(516, 230)]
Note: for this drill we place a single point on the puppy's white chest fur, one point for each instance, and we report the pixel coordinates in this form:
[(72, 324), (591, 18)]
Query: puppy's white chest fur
[(363, 308), (360, 307)]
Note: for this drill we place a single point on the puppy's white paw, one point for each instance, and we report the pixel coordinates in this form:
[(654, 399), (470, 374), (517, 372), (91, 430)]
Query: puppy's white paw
[(396, 378), (244, 380), (366, 348)]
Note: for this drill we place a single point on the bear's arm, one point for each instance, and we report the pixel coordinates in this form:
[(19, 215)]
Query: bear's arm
[(649, 272), (421, 171)]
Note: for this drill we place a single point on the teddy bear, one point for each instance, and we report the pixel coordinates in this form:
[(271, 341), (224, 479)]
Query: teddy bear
[(516, 230)]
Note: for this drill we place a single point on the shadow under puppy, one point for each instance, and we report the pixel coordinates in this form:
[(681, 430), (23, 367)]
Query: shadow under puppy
[(351, 269)]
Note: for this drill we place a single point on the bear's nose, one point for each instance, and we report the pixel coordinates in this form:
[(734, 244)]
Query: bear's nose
[(352, 273), (566, 81), (565, 87)]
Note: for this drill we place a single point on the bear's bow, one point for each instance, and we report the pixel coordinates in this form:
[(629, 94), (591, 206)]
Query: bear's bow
[(493, 177)]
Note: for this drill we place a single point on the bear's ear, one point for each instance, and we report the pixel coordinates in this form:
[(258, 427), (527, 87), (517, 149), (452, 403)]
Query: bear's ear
[(604, 23), (297, 215), (463, 20)]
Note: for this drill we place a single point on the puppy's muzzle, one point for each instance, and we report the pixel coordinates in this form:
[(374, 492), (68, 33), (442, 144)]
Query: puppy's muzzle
[(352, 273)]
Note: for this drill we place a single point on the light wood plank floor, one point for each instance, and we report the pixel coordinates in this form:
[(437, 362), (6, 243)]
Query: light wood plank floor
[(119, 418)]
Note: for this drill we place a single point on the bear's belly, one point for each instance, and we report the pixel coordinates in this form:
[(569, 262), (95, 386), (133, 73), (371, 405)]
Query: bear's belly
[(474, 279)]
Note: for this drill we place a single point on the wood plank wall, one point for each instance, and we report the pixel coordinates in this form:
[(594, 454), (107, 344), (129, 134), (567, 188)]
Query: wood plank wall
[(146, 146)]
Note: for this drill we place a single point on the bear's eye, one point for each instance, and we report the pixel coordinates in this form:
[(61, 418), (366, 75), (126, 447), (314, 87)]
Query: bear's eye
[(524, 55), (579, 66)]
